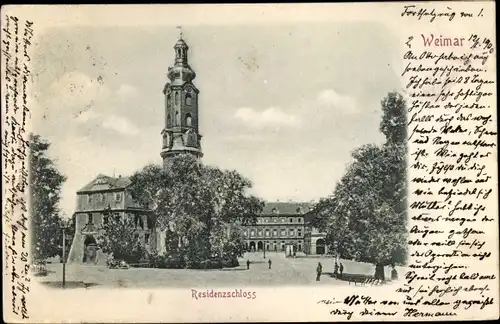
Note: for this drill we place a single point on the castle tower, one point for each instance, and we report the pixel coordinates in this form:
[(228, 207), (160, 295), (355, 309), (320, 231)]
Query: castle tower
[(181, 134)]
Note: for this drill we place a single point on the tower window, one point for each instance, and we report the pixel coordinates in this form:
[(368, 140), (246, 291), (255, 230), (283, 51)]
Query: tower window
[(177, 98), (188, 120), (166, 140), (177, 118), (188, 99)]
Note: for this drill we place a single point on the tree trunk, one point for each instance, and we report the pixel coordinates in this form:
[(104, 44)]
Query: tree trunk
[(379, 272)]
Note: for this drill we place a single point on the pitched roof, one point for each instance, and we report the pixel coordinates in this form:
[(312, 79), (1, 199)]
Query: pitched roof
[(287, 208), (103, 183)]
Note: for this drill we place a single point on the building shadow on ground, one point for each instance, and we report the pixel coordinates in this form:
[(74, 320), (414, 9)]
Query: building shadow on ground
[(69, 284)]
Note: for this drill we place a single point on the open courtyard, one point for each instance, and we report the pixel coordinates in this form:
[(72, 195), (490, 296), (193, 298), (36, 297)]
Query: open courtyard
[(284, 271)]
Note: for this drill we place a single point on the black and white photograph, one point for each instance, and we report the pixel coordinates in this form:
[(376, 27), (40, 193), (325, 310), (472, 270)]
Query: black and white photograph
[(269, 157), (304, 158)]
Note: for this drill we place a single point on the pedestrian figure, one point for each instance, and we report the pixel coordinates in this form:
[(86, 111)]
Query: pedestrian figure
[(248, 264), (269, 263), (319, 269), (336, 270), (341, 269), (394, 273)]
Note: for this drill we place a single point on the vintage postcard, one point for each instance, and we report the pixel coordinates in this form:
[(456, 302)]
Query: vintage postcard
[(249, 163)]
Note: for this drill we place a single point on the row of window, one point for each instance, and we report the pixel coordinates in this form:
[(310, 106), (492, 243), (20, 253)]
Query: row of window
[(181, 52), (188, 100), (188, 120), (275, 246), (138, 220), (102, 198), (275, 220), (283, 232)]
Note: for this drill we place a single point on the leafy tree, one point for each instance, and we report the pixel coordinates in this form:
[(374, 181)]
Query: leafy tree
[(394, 119), (121, 240), (366, 216), (196, 205), (45, 191)]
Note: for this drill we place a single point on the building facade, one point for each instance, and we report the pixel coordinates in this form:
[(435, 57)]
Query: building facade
[(278, 225), (101, 198), (315, 242)]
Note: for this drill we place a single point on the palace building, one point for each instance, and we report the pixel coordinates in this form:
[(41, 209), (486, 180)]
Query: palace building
[(279, 224), (285, 223)]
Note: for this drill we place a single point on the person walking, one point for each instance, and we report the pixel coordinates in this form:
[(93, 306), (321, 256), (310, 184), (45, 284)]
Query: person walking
[(269, 262), (248, 264), (341, 270), (394, 273), (319, 269), (336, 270)]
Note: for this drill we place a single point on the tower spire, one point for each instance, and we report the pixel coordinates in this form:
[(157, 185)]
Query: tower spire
[(180, 31), (181, 133)]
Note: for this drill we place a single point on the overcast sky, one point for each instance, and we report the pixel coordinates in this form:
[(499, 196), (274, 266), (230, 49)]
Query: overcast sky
[(283, 105)]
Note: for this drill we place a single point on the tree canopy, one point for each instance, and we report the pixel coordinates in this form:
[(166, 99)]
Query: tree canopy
[(45, 191), (120, 240), (365, 218), (198, 206)]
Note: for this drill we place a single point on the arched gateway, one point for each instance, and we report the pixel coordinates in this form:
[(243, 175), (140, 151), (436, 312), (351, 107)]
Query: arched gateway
[(320, 246), (90, 249)]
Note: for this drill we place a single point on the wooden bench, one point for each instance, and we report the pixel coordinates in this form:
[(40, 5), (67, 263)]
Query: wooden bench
[(360, 279)]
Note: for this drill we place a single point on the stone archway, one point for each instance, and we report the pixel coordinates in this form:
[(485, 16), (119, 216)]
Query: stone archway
[(320, 246), (260, 246), (90, 250), (252, 246)]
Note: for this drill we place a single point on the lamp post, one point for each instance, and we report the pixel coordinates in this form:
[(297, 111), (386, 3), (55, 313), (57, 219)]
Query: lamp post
[(335, 251), (64, 224), (264, 248)]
